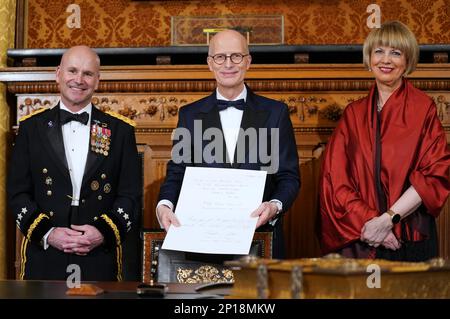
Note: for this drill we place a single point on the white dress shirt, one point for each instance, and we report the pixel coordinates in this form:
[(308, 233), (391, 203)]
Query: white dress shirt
[(76, 145), (231, 123)]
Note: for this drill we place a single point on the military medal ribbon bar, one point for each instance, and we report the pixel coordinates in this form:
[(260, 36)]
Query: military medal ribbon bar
[(100, 139)]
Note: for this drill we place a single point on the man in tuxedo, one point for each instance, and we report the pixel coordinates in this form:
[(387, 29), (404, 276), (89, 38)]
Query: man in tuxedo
[(231, 107), (73, 183)]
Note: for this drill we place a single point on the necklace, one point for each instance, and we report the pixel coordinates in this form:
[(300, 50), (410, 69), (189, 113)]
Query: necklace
[(379, 106)]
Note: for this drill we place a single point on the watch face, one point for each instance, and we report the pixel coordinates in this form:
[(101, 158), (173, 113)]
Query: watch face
[(396, 219)]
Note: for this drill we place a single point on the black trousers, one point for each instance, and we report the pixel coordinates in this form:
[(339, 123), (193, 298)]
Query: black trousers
[(414, 251)]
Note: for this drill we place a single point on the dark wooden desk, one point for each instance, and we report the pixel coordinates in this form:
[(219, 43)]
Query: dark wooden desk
[(30, 289)]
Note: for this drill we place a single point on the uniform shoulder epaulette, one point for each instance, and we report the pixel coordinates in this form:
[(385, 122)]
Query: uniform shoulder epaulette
[(23, 118), (121, 117)]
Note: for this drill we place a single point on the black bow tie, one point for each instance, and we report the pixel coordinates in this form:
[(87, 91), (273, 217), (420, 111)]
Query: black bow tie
[(223, 105), (66, 117)]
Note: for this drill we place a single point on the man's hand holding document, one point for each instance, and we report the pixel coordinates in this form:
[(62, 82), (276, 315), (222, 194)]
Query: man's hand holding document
[(214, 211)]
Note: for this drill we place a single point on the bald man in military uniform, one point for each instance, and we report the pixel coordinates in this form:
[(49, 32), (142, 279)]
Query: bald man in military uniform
[(74, 184)]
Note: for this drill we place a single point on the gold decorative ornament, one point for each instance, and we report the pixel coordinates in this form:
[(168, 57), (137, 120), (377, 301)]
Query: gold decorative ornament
[(204, 274), (23, 118), (107, 188), (118, 245), (122, 117), (95, 185), (338, 277)]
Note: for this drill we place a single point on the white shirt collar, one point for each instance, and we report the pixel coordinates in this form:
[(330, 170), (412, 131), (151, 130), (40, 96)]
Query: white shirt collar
[(242, 95), (87, 108)]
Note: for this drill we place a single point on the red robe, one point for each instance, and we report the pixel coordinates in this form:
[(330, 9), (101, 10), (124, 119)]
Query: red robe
[(414, 152)]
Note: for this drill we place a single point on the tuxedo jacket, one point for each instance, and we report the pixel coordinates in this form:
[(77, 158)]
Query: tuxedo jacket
[(259, 113), (39, 195)]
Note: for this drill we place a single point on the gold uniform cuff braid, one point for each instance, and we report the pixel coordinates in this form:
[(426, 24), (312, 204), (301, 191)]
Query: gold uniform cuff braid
[(25, 240), (34, 225), (118, 247)]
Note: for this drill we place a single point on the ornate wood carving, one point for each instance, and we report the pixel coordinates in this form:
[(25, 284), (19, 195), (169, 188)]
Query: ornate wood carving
[(163, 60), (309, 113), (440, 57), (301, 58), (27, 62), (208, 86)]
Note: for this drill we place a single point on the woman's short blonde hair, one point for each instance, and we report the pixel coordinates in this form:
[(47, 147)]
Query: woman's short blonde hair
[(396, 35)]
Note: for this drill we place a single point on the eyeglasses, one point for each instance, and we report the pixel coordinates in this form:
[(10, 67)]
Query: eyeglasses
[(236, 58)]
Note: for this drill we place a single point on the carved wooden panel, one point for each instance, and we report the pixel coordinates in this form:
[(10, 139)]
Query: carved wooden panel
[(301, 222), (307, 109), (443, 225)]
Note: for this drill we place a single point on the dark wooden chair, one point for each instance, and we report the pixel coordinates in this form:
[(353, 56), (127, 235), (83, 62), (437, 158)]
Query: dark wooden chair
[(183, 267)]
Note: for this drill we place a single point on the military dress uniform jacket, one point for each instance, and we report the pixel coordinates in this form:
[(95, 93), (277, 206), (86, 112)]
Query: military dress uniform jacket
[(40, 194)]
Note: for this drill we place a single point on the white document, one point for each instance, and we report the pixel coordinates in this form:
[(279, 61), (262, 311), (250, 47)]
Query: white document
[(214, 210)]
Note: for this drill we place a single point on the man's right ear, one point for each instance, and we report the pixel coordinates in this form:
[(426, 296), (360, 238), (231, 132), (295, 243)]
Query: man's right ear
[(58, 69), (210, 62)]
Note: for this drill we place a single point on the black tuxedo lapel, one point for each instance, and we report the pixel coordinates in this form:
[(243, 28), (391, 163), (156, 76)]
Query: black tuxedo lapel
[(50, 130), (253, 117), (209, 114), (94, 159)]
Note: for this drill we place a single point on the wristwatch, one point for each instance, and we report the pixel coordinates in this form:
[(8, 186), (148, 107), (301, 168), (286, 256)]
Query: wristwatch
[(395, 218)]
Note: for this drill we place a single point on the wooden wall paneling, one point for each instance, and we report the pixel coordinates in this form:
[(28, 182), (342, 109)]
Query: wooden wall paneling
[(17, 259), (301, 221), (146, 153), (443, 227), (155, 172), (21, 23)]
